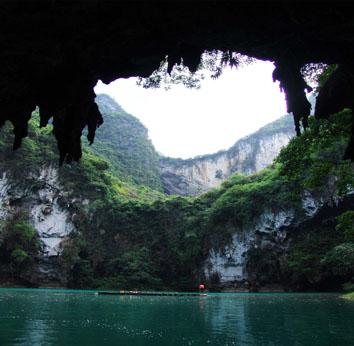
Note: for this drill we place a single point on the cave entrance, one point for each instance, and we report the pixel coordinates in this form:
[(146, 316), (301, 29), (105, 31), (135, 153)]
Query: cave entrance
[(188, 115)]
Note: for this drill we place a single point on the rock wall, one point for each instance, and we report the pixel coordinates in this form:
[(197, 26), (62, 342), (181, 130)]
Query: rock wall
[(42, 198), (271, 230), (4, 196), (52, 221), (246, 156), (230, 263)]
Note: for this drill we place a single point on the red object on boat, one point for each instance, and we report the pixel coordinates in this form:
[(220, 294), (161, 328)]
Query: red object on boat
[(201, 286)]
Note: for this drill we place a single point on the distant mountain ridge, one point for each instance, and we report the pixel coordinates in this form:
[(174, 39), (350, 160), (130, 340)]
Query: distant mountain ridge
[(248, 155), (123, 140)]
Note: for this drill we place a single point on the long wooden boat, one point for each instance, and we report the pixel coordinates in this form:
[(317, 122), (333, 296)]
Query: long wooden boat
[(159, 294)]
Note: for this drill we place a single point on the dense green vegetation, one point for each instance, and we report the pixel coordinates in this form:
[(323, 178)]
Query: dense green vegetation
[(164, 243), (140, 245), (19, 248), (349, 296), (123, 141), (130, 236), (93, 178), (321, 254)]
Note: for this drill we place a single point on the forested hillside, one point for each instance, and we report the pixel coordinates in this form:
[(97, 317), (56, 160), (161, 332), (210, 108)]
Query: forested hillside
[(123, 140)]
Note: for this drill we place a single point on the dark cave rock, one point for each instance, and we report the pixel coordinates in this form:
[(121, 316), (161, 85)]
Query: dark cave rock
[(294, 86), (53, 52), (336, 94)]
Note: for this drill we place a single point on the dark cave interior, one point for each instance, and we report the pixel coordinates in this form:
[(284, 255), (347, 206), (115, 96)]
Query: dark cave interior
[(53, 52)]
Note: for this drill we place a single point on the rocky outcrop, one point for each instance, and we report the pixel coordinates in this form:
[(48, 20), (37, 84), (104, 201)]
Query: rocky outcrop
[(44, 201), (246, 156), (4, 196), (270, 231), (229, 264), (52, 221)]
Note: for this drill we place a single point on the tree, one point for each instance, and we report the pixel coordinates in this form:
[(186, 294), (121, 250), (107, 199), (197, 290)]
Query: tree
[(346, 225), (18, 248)]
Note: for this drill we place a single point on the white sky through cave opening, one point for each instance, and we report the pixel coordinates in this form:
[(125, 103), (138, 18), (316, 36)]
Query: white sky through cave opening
[(186, 122)]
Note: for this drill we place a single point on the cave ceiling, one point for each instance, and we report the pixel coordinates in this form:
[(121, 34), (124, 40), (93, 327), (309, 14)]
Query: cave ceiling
[(52, 53)]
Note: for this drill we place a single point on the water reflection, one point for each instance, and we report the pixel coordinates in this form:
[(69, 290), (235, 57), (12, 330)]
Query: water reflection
[(228, 321), (47, 318)]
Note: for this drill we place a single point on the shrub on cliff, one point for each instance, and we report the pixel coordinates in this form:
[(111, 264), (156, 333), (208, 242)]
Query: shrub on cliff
[(340, 260), (346, 225), (308, 161), (19, 248)]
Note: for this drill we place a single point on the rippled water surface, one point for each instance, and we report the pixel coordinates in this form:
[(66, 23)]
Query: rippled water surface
[(52, 317)]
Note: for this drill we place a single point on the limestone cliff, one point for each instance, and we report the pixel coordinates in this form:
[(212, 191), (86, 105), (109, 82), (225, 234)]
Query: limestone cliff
[(90, 230), (44, 207), (44, 200), (273, 232), (247, 156)]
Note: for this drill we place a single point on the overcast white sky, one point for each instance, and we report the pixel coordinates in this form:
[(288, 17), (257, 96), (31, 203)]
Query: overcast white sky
[(186, 123)]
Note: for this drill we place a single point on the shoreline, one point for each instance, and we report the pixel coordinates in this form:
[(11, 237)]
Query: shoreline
[(348, 296), (266, 289)]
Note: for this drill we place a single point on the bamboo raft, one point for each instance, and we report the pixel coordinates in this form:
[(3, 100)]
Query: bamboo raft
[(157, 294)]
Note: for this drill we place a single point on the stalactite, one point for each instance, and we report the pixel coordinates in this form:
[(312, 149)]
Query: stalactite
[(294, 86), (52, 56)]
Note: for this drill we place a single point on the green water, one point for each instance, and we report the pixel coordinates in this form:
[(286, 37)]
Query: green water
[(54, 317)]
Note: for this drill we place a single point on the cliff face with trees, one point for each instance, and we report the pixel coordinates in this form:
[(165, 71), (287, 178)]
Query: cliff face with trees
[(52, 54), (247, 156), (82, 225), (284, 223)]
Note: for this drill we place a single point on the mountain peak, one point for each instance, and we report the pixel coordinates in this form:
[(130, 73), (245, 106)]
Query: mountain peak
[(107, 104)]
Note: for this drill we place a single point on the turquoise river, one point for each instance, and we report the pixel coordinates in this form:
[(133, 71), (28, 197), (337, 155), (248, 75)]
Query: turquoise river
[(82, 318)]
